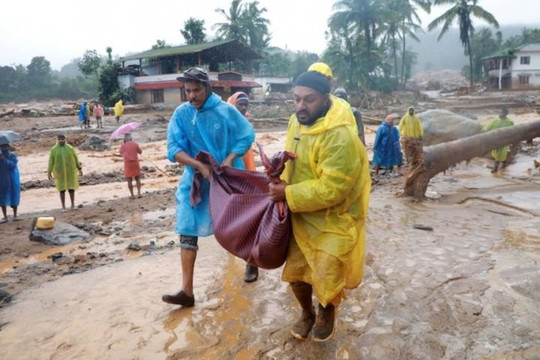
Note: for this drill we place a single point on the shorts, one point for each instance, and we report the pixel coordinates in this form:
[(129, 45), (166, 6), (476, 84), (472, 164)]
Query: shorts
[(189, 242)]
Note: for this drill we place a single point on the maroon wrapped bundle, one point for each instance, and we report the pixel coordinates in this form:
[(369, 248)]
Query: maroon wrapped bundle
[(246, 222)]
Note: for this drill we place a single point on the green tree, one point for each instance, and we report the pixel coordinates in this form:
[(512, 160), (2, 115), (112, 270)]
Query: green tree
[(257, 26), (39, 72), (90, 63), (461, 11), (108, 84), (359, 21), (109, 54), (8, 79), (301, 63), (483, 43), (527, 36), (233, 27), (193, 31)]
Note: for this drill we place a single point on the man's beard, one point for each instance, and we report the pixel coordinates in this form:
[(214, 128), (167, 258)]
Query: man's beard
[(319, 114)]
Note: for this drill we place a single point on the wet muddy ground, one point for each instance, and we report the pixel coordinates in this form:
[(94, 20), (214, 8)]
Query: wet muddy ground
[(454, 277)]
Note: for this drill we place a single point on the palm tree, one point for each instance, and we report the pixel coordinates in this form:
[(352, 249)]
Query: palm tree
[(256, 26), (358, 20), (462, 11), (234, 27)]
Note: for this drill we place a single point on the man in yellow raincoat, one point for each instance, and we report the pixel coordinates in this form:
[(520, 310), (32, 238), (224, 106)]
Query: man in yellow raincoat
[(501, 154), (411, 134), (327, 190), (118, 110), (65, 167)]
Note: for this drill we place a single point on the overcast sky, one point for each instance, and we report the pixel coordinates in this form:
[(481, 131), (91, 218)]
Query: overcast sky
[(63, 30)]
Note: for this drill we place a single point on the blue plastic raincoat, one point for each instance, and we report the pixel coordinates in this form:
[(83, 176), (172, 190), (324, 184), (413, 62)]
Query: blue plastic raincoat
[(10, 182), (387, 151), (328, 194), (217, 128), (83, 112)]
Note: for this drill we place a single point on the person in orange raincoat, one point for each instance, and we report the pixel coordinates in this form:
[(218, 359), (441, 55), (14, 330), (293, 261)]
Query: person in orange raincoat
[(240, 100)]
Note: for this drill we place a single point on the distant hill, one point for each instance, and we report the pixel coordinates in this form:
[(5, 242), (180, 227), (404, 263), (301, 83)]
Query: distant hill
[(448, 53)]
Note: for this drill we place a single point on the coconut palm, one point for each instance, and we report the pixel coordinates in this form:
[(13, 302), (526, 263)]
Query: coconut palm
[(462, 11), (234, 27), (256, 26)]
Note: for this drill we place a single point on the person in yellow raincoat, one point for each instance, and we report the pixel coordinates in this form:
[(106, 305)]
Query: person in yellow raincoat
[(411, 134), (327, 190), (118, 110), (64, 167), (501, 154)]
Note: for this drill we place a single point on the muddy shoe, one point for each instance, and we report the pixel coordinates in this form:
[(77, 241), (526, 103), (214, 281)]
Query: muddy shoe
[(324, 324), (179, 298), (302, 327), (251, 274)]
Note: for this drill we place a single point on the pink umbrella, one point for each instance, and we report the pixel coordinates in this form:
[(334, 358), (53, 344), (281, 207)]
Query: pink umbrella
[(124, 129)]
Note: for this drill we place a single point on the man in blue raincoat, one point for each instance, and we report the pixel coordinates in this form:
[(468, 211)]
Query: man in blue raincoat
[(205, 123)]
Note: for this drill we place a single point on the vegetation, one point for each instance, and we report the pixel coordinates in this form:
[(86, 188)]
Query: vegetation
[(194, 31), (367, 41), (37, 81), (461, 12), (368, 47)]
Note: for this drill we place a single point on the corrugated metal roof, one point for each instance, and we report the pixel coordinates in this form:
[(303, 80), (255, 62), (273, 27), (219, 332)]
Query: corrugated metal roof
[(178, 84), (192, 49)]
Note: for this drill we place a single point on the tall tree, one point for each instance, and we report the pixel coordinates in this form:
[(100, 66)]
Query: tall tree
[(483, 43), (461, 11), (109, 54), (90, 63), (193, 31), (233, 27), (257, 26), (360, 20), (39, 71)]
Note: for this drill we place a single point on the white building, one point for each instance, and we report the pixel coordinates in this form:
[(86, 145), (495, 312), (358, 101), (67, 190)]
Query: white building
[(517, 69)]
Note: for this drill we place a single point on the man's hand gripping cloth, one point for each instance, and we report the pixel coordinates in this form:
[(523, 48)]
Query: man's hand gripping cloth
[(246, 222)]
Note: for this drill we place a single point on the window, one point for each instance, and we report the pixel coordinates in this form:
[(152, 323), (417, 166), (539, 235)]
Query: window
[(523, 79), (525, 60), (157, 96)]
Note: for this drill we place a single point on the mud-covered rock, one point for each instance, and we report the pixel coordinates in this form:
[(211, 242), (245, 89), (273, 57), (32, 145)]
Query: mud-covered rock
[(61, 234), (442, 126)]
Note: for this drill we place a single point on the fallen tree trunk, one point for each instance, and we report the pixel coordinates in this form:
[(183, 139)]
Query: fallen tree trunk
[(438, 158), (7, 113)]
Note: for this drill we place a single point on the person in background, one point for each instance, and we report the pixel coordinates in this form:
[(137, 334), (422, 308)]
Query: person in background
[(386, 148), (118, 110), (241, 101), (130, 151), (65, 169), (327, 190), (204, 123), (83, 115), (342, 94), (98, 114), (10, 182), (499, 155), (412, 134)]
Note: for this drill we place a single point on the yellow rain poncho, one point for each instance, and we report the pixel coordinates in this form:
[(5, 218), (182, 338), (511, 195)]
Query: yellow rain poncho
[(119, 108), (64, 165), (499, 154), (410, 127), (328, 194)]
